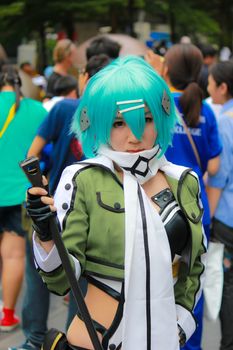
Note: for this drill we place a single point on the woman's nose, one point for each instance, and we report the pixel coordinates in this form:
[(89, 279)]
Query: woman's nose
[(132, 137)]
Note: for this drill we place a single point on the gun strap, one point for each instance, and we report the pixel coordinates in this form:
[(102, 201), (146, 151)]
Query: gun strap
[(74, 284)]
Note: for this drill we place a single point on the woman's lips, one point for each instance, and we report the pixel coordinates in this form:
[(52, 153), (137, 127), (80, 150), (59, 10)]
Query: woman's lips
[(135, 150)]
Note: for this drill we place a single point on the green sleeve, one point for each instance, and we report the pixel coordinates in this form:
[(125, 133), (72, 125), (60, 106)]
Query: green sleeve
[(188, 287), (75, 228)]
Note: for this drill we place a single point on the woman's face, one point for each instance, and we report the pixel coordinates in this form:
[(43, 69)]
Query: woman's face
[(215, 91), (123, 140)]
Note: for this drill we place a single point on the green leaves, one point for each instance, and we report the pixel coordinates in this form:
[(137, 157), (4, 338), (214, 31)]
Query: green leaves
[(196, 18), (13, 9)]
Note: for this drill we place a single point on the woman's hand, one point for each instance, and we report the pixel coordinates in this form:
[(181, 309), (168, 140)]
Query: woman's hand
[(156, 61), (40, 207)]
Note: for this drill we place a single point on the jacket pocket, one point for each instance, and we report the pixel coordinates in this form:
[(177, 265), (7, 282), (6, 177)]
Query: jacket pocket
[(188, 195), (193, 211), (110, 201)]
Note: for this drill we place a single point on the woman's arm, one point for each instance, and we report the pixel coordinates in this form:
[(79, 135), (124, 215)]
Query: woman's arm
[(36, 147), (213, 165), (73, 221), (188, 287), (217, 182), (41, 207), (213, 194)]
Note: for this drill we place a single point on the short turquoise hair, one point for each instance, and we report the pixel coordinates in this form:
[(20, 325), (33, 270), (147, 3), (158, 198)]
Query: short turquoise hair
[(127, 78)]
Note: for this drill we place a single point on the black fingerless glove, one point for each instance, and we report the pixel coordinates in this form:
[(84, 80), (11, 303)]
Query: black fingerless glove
[(40, 214)]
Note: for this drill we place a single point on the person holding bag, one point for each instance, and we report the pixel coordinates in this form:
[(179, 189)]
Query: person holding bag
[(220, 190), (130, 220)]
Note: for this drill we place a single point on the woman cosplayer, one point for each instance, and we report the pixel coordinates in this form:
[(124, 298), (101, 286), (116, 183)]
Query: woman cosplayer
[(131, 220)]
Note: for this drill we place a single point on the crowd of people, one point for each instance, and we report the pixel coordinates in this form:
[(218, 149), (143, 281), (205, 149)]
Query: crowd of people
[(139, 178)]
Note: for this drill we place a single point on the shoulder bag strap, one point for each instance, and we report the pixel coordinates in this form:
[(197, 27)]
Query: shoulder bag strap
[(9, 119), (195, 151)]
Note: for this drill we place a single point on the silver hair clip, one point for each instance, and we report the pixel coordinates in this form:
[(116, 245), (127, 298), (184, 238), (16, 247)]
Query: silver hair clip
[(166, 102), (129, 101), (131, 108), (84, 120), (119, 115)]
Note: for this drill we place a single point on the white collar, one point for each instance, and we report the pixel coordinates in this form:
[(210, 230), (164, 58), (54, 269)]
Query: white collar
[(141, 165)]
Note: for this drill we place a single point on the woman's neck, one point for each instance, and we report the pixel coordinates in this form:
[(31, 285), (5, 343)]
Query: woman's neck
[(173, 89), (61, 68), (7, 88), (226, 98), (118, 172)]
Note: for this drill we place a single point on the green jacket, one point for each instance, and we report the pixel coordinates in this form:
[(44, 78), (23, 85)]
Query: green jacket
[(93, 227)]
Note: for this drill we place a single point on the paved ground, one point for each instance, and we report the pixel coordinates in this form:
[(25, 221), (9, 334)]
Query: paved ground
[(57, 317)]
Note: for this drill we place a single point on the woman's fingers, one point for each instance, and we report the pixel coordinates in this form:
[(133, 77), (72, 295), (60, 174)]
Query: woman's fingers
[(37, 191), (48, 201), (44, 180)]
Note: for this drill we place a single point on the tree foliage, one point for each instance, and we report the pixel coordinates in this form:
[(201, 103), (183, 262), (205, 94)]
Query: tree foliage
[(21, 18), (13, 9), (188, 17)]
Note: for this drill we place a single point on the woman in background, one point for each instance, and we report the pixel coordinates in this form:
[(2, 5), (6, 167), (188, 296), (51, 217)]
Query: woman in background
[(181, 69), (19, 120), (220, 190)]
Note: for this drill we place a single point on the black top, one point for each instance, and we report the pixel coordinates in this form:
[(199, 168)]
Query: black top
[(54, 77)]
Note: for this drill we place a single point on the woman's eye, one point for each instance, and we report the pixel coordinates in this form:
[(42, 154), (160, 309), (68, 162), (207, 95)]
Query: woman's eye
[(118, 124), (148, 119)]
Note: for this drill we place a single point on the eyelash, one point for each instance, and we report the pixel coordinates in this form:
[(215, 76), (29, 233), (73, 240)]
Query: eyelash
[(119, 123)]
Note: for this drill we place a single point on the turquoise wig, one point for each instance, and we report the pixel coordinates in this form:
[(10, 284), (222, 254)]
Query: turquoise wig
[(127, 78)]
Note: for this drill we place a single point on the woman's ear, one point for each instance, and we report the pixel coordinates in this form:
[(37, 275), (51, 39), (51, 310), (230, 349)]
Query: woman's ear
[(82, 82), (223, 89), (165, 74)]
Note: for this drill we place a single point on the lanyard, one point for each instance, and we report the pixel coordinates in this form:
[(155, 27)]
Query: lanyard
[(9, 119)]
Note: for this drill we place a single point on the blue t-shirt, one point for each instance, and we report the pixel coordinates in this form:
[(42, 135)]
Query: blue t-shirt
[(56, 129), (206, 138), (224, 177)]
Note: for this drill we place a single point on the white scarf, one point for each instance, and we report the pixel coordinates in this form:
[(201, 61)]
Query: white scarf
[(149, 320)]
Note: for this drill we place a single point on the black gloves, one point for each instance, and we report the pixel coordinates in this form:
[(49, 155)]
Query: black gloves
[(40, 214)]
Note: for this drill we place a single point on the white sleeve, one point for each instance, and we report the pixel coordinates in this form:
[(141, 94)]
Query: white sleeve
[(185, 320), (48, 262)]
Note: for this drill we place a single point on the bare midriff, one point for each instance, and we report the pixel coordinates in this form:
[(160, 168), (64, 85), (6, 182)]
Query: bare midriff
[(102, 309)]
